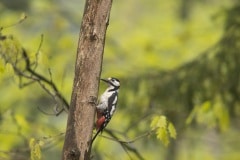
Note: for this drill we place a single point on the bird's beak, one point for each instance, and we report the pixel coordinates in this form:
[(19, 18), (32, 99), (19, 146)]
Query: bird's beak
[(104, 80)]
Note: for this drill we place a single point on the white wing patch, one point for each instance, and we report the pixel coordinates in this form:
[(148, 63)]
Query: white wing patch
[(112, 110), (115, 100)]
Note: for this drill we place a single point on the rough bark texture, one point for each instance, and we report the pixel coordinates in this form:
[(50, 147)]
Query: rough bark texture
[(77, 145)]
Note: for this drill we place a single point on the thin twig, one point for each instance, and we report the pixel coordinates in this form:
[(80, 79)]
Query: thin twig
[(37, 52), (127, 141), (125, 145), (14, 24), (49, 114)]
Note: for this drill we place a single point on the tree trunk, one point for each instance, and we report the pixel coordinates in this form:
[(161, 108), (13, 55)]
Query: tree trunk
[(77, 145)]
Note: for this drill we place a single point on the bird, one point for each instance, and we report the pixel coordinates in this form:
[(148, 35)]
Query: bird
[(107, 104)]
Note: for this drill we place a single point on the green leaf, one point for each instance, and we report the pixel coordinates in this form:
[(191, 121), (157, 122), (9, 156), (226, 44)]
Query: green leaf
[(163, 129), (2, 65), (172, 130), (221, 113), (158, 121), (35, 149), (162, 135)]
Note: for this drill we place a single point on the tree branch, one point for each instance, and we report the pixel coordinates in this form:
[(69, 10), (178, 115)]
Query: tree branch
[(28, 72)]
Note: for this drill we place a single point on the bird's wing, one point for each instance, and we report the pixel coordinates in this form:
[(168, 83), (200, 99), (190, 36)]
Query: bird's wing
[(112, 101)]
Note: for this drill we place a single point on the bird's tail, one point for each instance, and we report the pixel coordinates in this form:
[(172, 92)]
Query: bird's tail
[(95, 136)]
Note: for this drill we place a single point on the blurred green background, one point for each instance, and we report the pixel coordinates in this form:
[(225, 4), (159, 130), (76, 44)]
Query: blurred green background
[(177, 58)]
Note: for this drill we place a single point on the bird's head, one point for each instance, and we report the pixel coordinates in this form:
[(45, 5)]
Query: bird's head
[(112, 82)]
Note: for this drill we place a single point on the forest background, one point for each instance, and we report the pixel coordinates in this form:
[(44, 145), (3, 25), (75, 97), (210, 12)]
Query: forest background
[(176, 58)]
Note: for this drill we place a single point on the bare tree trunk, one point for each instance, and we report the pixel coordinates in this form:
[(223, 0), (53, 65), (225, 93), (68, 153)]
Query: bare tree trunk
[(77, 145)]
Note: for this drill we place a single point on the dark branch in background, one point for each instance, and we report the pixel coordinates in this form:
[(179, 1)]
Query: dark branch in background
[(29, 72), (43, 81), (126, 144)]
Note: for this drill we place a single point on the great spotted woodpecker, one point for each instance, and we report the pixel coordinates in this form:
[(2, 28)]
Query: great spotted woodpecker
[(107, 104)]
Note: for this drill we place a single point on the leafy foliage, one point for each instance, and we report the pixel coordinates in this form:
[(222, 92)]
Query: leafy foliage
[(163, 129), (35, 147), (211, 115)]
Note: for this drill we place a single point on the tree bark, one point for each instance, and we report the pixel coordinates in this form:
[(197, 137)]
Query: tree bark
[(77, 145)]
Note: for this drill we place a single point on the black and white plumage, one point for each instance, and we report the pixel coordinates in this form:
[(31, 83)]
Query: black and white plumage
[(107, 104), (109, 98)]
